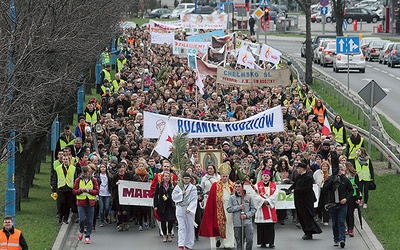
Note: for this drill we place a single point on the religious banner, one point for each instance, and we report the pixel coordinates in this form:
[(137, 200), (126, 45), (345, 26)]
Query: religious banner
[(184, 48), (246, 58), (134, 193), (253, 77), (162, 38), (254, 47), (216, 56), (205, 37), (229, 41), (270, 54), (200, 21), (269, 121), (205, 68)]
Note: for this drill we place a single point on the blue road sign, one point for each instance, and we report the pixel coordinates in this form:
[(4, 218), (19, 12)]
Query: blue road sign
[(264, 3), (344, 25), (324, 2), (347, 44), (323, 10)]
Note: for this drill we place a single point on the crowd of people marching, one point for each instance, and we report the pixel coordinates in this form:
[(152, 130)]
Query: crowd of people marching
[(150, 78)]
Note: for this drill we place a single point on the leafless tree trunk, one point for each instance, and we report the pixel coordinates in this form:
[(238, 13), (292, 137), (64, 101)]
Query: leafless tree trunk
[(339, 6), (53, 44), (305, 6)]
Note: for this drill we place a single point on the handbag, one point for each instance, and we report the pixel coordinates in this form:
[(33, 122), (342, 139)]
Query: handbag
[(372, 185)]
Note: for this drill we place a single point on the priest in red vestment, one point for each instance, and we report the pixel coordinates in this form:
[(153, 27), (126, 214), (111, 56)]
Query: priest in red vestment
[(217, 222)]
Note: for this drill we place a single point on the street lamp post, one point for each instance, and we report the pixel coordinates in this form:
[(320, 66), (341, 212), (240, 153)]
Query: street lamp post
[(10, 191)]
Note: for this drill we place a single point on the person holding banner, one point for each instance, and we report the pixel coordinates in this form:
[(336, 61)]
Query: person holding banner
[(122, 210), (265, 201), (163, 205), (185, 198), (217, 222), (141, 175)]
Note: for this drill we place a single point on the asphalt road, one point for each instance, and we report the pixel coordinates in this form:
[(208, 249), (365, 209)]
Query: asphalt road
[(287, 237)]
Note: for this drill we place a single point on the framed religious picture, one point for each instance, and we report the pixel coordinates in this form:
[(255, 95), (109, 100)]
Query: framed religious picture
[(207, 157)]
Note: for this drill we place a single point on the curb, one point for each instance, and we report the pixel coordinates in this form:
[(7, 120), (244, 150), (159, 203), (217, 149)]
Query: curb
[(368, 236), (62, 236)]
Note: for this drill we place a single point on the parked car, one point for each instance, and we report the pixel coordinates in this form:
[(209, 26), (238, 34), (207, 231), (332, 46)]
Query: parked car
[(394, 55), (157, 13), (279, 8), (365, 41), (373, 49), (361, 13), (318, 50), (314, 43), (328, 18), (367, 3), (205, 10), (328, 54), (182, 8), (314, 17), (356, 62), (384, 53)]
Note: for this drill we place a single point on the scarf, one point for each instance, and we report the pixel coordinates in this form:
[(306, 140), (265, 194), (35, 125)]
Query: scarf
[(261, 192), (338, 125), (355, 140), (363, 160)]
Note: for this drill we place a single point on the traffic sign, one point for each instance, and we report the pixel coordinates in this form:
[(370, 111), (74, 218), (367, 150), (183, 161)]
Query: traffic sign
[(323, 10), (344, 25), (258, 13), (264, 3), (324, 3), (347, 44), (377, 92)]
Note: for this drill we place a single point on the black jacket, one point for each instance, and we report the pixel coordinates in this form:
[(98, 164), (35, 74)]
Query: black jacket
[(342, 183), (22, 241)]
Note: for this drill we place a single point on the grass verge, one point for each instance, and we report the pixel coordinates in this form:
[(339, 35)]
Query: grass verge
[(382, 214), (37, 218)]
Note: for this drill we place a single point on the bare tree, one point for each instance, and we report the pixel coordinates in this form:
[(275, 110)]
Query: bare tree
[(305, 6), (54, 43), (338, 7)]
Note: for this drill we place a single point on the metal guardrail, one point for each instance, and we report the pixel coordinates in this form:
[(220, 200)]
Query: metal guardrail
[(388, 147)]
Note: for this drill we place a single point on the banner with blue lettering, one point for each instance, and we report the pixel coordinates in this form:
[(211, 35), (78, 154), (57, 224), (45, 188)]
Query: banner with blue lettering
[(269, 121), (253, 77)]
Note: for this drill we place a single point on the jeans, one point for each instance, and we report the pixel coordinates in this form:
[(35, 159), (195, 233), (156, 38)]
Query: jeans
[(104, 207), (86, 212), (339, 213), (248, 235)]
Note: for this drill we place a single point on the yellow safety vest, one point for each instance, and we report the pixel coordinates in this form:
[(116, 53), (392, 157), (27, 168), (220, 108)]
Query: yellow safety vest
[(91, 119), (105, 58), (121, 64), (107, 75), (338, 134), (56, 163), (363, 171), (353, 148), (12, 242), (88, 185), (116, 85), (309, 104), (63, 143), (65, 180)]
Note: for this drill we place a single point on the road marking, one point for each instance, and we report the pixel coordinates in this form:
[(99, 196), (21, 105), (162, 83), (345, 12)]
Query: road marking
[(366, 79), (384, 72), (398, 78), (376, 69), (391, 75), (386, 90)]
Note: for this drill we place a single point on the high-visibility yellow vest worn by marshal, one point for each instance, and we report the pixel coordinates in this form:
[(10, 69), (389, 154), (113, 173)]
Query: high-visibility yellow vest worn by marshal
[(353, 148), (338, 134), (12, 242), (107, 75), (88, 185), (310, 104), (63, 180), (363, 171)]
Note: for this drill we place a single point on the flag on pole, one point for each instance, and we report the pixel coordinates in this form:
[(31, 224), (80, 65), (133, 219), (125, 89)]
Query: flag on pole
[(199, 83), (326, 128), (270, 54), (246, 58), (164, 143)]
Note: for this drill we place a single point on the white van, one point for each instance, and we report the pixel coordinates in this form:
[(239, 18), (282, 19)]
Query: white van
[(182, 8)]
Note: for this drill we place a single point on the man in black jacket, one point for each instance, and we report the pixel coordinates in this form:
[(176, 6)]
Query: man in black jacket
[(340, 191), (252, 21), (11, 237)]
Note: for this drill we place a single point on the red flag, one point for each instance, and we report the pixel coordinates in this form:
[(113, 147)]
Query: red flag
[(326, 128)]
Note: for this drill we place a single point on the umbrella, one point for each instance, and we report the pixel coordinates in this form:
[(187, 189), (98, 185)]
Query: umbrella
[(359, 214)]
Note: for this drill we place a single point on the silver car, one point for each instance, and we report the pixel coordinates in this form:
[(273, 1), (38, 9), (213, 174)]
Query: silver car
[(384, 53), (356, 61), (318, 50)]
